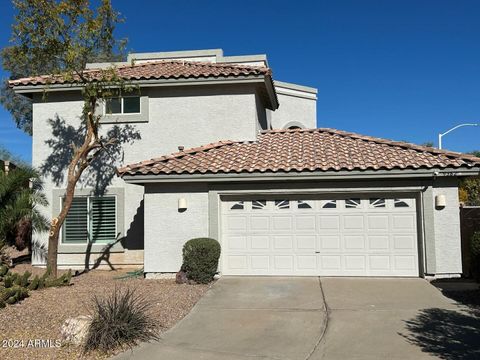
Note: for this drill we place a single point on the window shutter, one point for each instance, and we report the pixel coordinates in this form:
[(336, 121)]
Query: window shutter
[(76, 223), (103, 219)]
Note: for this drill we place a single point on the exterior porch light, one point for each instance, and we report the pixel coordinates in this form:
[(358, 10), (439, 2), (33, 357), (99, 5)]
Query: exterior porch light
[(440, 201), (182, 204)]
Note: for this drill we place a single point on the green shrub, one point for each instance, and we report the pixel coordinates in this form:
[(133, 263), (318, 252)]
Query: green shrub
[(200, 259), (475, 250), (120, 319)]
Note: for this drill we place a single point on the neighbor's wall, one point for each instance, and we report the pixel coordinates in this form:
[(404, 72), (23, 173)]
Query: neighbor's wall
[(187, 116), (448, 250), (298, 106), (167, 229)]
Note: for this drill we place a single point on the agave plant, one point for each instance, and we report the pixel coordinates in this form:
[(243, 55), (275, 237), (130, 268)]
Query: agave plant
[(21, 192)]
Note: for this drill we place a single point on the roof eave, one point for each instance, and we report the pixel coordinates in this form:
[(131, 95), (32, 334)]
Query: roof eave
[(305, 176), (260, 79)]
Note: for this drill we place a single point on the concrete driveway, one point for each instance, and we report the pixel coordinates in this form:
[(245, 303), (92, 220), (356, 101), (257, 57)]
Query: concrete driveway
[(286, 318), (394, 319), (245, 318)]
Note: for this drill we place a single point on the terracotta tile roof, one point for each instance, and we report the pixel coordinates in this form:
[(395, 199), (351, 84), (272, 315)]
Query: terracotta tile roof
[(301, 150), (171, 69)]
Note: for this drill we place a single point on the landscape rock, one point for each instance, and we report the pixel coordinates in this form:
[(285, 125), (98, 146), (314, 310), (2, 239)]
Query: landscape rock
[(75, 330)]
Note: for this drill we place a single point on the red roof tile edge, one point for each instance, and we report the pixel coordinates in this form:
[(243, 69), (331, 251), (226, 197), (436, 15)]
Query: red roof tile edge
[(134, 169)]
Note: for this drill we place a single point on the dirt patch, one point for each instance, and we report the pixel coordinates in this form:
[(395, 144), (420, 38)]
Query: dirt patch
[(41, 316)]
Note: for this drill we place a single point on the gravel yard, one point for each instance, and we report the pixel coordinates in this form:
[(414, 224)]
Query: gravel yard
[(42, 314)]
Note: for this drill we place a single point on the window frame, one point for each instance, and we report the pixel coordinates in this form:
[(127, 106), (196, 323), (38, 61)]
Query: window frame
[(89, 239), (122, 112), (95, 248)]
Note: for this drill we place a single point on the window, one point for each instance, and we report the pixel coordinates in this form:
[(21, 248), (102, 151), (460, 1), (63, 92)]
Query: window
[(123, 105), (91, 219), (330, 204), (259, 204), (303, 205), (400, 203), (377, 202), (282, 204), (352, 203), (239, 205)]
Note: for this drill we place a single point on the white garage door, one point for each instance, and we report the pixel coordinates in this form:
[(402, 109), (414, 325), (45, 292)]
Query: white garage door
[(357, 236)]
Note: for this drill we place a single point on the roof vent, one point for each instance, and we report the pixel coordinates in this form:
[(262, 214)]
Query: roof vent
[(181, 147)]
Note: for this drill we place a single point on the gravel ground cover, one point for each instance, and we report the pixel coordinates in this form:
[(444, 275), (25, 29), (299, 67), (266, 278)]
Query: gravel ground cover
[(41, 316)]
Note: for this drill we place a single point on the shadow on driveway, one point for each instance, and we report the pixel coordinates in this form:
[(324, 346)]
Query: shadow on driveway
[(447, 334)]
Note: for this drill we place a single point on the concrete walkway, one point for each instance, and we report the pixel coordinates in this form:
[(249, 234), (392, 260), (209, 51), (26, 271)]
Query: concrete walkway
[(393, 319), (245, 318)]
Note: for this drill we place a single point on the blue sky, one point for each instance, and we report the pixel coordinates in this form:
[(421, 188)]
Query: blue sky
[(403, 70)]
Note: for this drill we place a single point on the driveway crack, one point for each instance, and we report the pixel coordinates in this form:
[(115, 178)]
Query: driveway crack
[(325, 324)]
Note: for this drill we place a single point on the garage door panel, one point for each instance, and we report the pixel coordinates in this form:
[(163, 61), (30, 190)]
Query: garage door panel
[(404, 242), (355, 262), (282, 242), (356, 242), (259, 223), (329, 222), (260, 262), (237, 242), (353, 222), (378, 222), (330, 242), (260, 242), (283, 262), (340, 237), (304, 223), (306, 242), (404, 221), (379, 242), (282, 223), (307, 262)]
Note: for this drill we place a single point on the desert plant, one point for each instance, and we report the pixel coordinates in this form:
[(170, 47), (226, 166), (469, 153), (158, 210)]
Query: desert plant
[(120, 319), (200, 259), (21, 192)]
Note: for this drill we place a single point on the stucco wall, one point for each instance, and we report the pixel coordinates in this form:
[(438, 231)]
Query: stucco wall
[(448, 253), (186, 116), (440, 236), (297, 108), (167, 229)]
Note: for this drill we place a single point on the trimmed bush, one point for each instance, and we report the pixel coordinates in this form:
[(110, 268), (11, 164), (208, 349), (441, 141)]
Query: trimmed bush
[(200, 259), (120, 319)]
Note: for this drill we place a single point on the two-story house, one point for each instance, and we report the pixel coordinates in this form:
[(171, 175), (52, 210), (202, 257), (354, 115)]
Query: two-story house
[(238, 157)]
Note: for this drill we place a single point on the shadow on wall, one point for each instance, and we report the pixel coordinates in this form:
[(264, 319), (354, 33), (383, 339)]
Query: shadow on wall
[(98, 176), (447, 334), (134, 237), (102, 169)]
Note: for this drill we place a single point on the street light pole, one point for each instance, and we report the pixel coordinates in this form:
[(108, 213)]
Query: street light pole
[(446, 132)]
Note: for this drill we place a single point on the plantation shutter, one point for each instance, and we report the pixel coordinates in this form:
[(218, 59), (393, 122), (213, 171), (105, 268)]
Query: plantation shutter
[(76, 222), (103, 219)]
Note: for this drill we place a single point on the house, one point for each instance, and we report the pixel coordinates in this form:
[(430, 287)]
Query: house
[(236, 156)]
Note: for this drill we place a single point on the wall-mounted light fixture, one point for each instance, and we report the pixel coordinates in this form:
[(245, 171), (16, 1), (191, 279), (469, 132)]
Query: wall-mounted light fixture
[(182, 204), (440, 201)]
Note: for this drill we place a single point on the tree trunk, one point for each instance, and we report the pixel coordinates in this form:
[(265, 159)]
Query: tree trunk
[(79, 163)]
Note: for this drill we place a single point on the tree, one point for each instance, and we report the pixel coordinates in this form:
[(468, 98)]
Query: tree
[(469, 189), (66, 34)]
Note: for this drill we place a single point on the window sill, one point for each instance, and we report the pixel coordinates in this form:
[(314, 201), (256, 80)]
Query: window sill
[(94, 249)]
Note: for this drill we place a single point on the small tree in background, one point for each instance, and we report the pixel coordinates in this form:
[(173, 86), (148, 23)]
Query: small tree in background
[(469, 189), (58, 37)]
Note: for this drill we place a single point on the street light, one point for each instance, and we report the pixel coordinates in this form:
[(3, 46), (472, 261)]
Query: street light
[(446, 132)]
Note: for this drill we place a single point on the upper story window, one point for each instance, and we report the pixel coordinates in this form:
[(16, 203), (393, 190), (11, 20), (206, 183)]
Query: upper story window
[(122, 105)]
